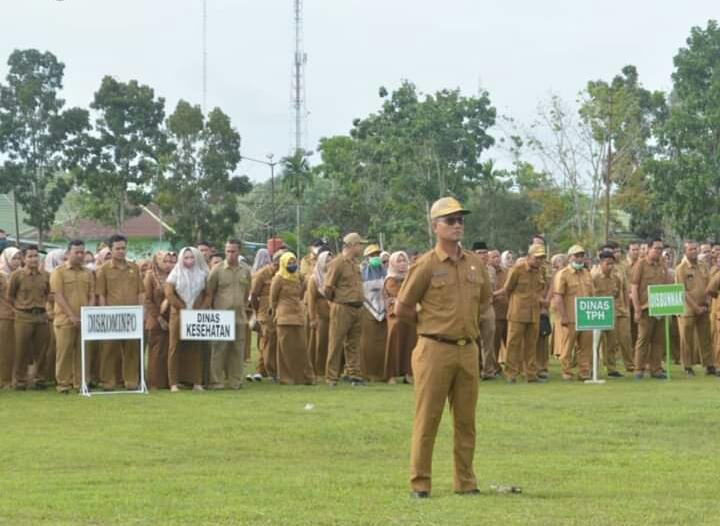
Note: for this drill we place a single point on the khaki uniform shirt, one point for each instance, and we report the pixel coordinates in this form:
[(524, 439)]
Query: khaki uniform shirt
[(154, 297), (286, 301), (450, 293), (646, 273), (260, 288), (343, 281), (228, 288), (525, 287), (121, 285), (318, 305), (696, 279), (571, 284), (614, 286), (500, 303), (29, 289), (77, 285), (6, 310), (307, 265)]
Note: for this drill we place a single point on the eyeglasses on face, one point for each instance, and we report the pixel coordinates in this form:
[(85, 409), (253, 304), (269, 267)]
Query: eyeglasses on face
[(453, 220)]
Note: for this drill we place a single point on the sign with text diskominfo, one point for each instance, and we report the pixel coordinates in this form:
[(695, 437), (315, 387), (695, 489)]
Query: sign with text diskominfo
[(112, 323), (207, 325)]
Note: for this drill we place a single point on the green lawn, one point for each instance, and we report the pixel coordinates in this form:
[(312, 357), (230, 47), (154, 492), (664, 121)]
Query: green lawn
[(623, 453)]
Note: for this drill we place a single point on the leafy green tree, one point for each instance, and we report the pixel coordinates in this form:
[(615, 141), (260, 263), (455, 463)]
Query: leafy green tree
[(296, 177), (197, 190), (41, 140), (126, 150)]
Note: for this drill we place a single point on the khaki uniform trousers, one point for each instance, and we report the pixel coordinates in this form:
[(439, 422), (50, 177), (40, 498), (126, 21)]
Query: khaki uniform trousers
[(695, 335), (269, 348), (501, 328), (129, 352), (618, 343), (521, 350), (227, 360), (488, 358), (542, 356), (444, 371), (650, 344), (319, 346), (7, 353), (344, 341), (32, 334), (68, 371), (579, 342), (158, 345)]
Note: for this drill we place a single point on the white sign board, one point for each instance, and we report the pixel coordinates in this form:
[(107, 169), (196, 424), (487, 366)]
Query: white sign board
[(112, 323), (207, 325)]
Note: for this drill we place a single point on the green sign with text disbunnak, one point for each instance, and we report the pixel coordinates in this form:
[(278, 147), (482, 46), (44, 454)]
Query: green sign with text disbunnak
[(666, 300)]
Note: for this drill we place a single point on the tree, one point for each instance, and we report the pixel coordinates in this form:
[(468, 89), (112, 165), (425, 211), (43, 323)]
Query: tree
[(199, 193), (686, 168), (41, 140), (296, 177), (125, 153)]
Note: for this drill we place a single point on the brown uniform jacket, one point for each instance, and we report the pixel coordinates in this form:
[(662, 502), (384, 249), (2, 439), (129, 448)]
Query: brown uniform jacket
[(77, 286), (6, 310), (228, 288), (286, 301), (645, 273), (318, 305), (696, 279), (154, 297), (29, 289), (614, 286), (343, 281), (500, 303), (120, 285), (260, 289), (450, 293), (570, 284), (525, 287)]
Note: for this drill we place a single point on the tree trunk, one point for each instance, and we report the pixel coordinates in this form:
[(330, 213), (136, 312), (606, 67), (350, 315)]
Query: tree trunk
[(607, 191), (429, 223), (17, 218), (297, 221)]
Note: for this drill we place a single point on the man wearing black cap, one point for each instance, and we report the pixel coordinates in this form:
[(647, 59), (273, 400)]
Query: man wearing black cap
[(488, 363), (607, 282)]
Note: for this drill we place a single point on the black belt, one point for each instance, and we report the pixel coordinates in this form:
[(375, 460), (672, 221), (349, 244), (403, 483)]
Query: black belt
[(34, 310), (461, 342), (353, 304)]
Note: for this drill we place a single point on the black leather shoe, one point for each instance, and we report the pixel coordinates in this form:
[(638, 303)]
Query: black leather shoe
[(689, 372), (615, 374), (710, 371), (419, 494), (468, 492), (660, 376)]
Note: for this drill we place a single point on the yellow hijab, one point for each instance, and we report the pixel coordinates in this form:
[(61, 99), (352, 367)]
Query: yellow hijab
[(283, 271)]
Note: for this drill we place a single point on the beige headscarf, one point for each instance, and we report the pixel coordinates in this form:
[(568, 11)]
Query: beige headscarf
[(54, 259), (320, 271), (393, 271), (5, 258), (189, 282)]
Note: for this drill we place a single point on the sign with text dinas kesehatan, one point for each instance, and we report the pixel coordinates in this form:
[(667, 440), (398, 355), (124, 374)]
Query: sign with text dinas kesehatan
[(666, 300), (594, 313), (111, 323), (207, 325)]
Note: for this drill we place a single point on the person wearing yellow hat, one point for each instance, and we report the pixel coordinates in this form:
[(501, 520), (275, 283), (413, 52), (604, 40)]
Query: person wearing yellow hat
[(450, 285), (344, 288), (525, 288), (571, 282)]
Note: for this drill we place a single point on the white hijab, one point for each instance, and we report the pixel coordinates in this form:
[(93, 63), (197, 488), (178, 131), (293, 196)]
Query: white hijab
[(5, 258), (189, 282), (320, 271), (54, 259)]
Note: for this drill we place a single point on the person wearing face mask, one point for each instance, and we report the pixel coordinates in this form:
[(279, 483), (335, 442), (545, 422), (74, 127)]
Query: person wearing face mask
[(10, 260), (344, 288), (401, 333), (293, 362), (373, 325), (572, 282), (157, 320), (185, 289), (260, 302), (28, 293)]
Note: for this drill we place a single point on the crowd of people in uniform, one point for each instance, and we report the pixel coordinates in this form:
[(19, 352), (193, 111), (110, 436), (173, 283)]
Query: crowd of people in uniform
[(332, 317)]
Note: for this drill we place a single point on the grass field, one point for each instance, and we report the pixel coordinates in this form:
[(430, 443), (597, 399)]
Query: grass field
[(623, 453)]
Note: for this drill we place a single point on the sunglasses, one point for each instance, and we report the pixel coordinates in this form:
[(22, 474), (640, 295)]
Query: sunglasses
[(454, 220)]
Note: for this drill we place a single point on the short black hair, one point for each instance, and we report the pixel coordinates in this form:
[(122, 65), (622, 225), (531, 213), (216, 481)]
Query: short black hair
[(203, 243), (479, 245), (30, 248), (116, 238), (537, 236), (631, 243), (76, 243), (233, 241), (317, 243), (606, 254)]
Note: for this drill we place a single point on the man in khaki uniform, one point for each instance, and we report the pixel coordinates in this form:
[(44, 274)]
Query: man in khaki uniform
[(572, 282), (488, 359), (499, 302), (607, 282), (74, 287), (450, 285), (344, 289), (525, 288), (260, 302), (633, 256), (28, 292), (694, 323), (119, 282), (227, 289), (649, 347)]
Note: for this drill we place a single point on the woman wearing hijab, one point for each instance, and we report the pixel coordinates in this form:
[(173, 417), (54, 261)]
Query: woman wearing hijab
[(507, 260), (10, 260), (261, 262), (402, 333), (45, 366), (184, 289), (319, 310), (286, 304), (373, 323), (157, 320)]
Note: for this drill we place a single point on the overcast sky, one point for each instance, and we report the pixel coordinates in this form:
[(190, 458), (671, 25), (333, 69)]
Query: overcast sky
[(518, 50)]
